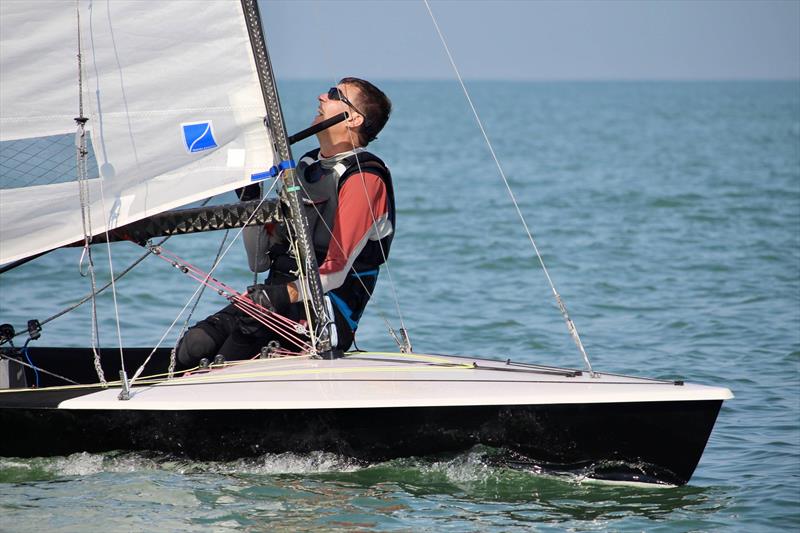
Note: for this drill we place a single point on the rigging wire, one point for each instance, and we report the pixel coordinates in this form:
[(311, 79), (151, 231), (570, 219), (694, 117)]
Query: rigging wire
[(111, 274), (117, 277), (274, 321), (573, 331), (241, 300), (83, 177), (86, 215), (403, 330)]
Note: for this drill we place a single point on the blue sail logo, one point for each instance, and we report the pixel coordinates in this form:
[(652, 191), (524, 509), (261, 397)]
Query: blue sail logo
[(198, 136)]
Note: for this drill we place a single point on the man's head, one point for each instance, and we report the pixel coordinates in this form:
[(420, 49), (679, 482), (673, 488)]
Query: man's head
[(368, 107)]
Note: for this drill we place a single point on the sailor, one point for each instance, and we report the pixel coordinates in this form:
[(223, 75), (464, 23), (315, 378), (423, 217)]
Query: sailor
[(349, 201)]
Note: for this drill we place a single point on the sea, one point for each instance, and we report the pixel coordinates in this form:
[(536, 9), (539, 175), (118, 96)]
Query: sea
[(668, 217)]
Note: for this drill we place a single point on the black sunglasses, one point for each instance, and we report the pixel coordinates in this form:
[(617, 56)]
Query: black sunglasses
[(335, 94)]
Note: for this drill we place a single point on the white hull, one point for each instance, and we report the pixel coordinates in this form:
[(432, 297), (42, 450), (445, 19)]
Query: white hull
[(368, 380)]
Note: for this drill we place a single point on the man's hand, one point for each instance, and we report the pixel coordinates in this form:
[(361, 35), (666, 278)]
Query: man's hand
[(294, 295), (260, 296), (272, 297)]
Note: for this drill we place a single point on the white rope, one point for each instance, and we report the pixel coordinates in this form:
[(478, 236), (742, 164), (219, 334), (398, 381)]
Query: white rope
[(570, 324)]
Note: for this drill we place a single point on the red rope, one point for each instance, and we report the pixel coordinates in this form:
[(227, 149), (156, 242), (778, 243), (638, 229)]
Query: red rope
[(283, 326)]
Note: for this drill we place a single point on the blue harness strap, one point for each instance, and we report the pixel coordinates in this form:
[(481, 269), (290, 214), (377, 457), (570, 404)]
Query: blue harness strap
[(342, 305), (345, 310), (365, 274)]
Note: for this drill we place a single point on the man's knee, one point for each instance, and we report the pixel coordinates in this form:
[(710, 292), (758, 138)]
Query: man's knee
[(205, 338), (195, 345)]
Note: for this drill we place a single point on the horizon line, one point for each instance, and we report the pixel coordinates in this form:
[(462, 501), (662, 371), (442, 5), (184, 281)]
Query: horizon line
[(555, 80)]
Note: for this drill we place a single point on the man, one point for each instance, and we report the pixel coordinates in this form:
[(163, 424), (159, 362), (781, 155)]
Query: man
[(349, 202)]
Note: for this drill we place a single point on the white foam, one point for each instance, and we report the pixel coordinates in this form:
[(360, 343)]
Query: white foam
[(84, 464)]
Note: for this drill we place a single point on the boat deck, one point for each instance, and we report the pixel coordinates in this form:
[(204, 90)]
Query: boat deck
[(378, 379)]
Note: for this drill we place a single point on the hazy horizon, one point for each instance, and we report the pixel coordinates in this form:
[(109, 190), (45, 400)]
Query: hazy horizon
[(565, 80), (536, 41)]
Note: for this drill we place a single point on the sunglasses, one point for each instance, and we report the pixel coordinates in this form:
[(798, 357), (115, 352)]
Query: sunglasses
[(335, 94)]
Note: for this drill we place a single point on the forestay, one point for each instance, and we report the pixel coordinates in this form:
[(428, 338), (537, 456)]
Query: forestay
[(175, 114)]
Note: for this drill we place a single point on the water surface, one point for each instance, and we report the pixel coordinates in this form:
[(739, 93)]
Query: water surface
[(668, 215)]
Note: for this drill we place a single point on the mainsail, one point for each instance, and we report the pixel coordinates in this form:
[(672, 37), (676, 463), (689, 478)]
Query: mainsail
[(174, 114)]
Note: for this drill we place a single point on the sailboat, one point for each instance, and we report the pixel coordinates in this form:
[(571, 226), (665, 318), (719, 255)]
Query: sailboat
[(209, 121)]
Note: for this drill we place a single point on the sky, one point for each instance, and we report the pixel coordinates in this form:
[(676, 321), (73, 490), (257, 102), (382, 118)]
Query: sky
[(535, 40)]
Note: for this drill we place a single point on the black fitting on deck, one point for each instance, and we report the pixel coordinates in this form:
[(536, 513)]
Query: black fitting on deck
[(34, 329), (7, 333)]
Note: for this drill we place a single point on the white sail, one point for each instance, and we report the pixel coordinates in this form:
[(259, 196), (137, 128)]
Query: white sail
[(170, 89)]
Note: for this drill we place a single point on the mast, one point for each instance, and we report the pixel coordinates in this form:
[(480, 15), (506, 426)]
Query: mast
[(291, 189)]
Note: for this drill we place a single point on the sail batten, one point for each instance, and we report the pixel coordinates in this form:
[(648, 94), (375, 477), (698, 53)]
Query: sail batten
[(175, 115)]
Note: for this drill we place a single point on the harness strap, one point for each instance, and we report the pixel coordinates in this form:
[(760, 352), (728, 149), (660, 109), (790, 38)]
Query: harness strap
[(365, 274), (344, 309)]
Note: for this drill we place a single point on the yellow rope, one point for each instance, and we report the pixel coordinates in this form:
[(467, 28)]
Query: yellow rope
[(414, 356), (154, 378), (311, 371)]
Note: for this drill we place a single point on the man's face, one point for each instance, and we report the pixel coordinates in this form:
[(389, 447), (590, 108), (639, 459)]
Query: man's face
[(330, 108)]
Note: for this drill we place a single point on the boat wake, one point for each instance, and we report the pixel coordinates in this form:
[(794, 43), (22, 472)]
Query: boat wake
[(87, 464), (480, 466)]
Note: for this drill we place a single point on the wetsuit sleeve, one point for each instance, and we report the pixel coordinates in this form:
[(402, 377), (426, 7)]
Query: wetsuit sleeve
[(256, 244), (362, 215)]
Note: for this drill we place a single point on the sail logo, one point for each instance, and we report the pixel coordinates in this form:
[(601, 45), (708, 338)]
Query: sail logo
[(198, 136)]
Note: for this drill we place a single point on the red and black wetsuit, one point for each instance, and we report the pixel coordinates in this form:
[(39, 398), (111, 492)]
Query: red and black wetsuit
[(351, 228), (350, 205)]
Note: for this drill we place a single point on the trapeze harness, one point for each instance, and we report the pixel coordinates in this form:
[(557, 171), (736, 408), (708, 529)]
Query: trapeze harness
[(322, 181)]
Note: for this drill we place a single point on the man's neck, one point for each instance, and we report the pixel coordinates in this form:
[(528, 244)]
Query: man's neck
[(327, 149)]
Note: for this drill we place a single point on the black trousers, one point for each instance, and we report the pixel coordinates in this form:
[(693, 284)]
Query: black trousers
[(236, 335)]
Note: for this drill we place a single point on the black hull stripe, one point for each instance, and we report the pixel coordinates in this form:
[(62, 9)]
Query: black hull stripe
[(42, 398), (643, 441)]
